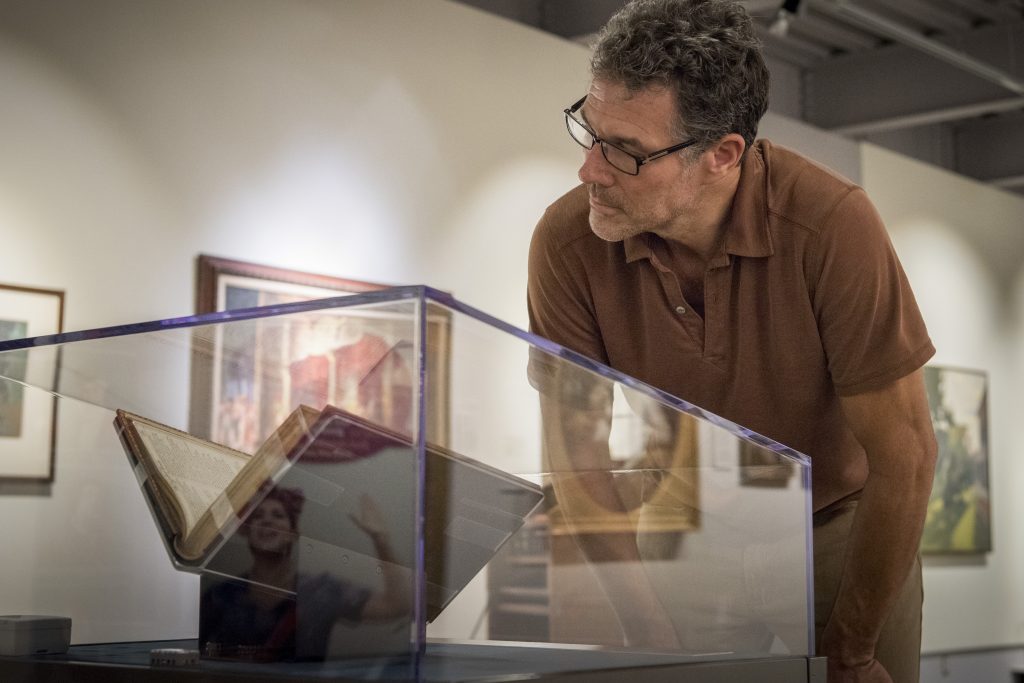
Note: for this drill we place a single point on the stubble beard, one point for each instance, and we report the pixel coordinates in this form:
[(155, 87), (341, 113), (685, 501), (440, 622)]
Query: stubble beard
[(630, 220), (613, 227)]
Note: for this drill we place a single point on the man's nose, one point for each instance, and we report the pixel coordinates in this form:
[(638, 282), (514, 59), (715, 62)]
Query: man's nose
[(595, 168)]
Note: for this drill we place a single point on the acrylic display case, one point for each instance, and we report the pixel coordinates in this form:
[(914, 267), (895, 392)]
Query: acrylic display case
[(391, 486)]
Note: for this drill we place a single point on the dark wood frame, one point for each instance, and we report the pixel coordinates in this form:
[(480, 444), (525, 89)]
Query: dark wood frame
[(51, 465), (209, 269)]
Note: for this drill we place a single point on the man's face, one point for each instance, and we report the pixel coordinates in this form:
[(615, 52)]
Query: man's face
[(662, 197)]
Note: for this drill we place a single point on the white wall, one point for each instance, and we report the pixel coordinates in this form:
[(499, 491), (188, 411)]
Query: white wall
[(962, 243), (393, 142), (399, 142), (838, 153)]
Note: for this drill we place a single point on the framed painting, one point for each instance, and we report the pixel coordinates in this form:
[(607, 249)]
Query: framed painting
[(959, 511), (28, 416), (249, 377)]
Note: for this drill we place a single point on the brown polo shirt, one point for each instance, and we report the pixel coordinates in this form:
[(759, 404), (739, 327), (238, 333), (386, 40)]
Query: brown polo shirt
[(805, 302)]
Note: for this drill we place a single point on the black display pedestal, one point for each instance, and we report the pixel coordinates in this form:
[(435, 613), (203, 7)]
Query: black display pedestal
[(450, 662)]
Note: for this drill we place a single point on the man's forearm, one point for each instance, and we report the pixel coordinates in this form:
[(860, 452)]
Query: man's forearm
[(893, 424), (881, 550), (593, 511)]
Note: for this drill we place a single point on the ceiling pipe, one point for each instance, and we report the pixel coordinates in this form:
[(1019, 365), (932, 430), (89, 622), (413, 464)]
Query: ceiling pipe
[(927, 118), (931, 47), (1009, 183)]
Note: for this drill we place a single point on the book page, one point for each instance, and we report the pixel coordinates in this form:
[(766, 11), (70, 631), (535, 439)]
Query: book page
[(198, 471), (269, 456)]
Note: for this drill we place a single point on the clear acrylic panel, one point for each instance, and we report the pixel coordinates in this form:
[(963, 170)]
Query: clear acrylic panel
[(458, 498)]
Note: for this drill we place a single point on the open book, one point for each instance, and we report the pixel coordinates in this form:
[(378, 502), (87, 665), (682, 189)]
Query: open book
[(199, 491), (194, 485)]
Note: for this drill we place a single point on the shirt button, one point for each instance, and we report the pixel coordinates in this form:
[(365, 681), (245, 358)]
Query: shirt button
[(680, 310)]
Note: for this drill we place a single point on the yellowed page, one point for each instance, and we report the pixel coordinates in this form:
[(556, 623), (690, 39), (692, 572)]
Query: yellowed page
[(197, 470)]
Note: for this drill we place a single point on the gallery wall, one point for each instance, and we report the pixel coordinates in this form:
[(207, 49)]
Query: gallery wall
[(961, 243), (395, 143), (377, 141), (389, 142)]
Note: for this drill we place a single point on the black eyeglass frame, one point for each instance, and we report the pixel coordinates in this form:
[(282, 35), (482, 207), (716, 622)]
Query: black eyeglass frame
[(640, 161)]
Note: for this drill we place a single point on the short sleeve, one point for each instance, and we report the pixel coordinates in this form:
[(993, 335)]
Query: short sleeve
[(870, 325), (559, 302)]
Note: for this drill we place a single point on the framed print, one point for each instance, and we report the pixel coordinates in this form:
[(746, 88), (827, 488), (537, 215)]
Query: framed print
[(959, 511), (361, 361), (28, 417)]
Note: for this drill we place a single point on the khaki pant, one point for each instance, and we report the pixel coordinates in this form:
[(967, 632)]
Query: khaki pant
[(899, 645)]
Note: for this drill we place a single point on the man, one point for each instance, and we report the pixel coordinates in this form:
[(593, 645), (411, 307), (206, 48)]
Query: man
[(744, 278)]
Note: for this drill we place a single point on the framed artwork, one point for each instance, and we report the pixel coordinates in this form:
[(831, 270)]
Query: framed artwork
[(959, 510), (362, 362), (27, 416)]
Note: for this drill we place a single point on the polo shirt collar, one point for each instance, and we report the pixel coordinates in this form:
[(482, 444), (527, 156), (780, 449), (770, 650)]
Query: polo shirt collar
[(746, 232), (637, 247)]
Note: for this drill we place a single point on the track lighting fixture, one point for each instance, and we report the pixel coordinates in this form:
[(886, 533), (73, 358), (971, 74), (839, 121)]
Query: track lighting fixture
[(780, 22)]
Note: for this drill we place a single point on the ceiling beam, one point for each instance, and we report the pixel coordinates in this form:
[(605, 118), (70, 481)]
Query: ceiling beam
[(986, 10), (930, 16), (1012, 183), (791, 48), (931, 117), (899, 86), (813, 25), (762, 8), (906, 36), (990, 149)]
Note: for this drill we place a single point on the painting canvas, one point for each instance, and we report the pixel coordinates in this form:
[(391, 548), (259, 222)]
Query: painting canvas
[(27, 415), (361, 362), (959, 511)]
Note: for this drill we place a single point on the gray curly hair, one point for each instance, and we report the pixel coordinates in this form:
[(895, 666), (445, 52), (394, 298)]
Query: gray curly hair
[(705, 51)]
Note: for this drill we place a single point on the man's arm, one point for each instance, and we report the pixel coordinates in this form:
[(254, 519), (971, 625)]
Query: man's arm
[(576, 420), (577, 455), (894, 427)]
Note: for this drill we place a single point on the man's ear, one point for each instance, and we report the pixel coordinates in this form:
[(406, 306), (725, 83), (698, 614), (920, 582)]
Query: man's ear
[(725, 154)]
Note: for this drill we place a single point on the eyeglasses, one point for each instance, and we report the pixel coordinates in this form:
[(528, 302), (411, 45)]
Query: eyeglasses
[(616, 156)]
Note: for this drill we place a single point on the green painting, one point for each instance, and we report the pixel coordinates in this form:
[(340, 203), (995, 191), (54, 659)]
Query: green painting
[(959, 516)]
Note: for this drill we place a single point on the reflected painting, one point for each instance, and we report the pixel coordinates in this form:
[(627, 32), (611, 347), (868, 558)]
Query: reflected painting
[(959, 510)]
